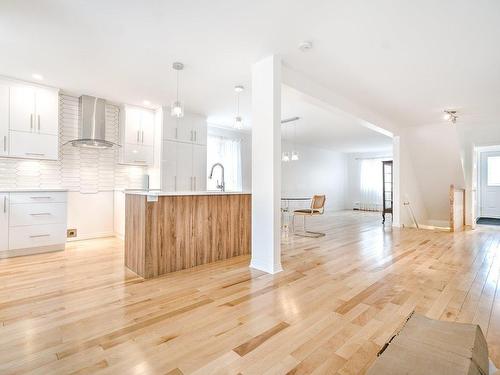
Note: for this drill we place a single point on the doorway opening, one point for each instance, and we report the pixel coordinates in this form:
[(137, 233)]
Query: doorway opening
[(488, 185)]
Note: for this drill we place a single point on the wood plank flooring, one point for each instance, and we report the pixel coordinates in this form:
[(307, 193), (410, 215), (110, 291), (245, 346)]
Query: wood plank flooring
[(337, 301)]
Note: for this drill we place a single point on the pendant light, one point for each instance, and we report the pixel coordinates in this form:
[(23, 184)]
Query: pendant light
[(238, 121), (177, 109)]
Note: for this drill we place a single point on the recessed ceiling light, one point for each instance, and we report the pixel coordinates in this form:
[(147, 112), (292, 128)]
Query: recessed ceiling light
[(305, 46), (37, 76), (146, 102)]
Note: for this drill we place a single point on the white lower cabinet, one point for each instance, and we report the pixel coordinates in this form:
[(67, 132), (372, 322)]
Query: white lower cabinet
[(33, 236), (32, 222), (4, 222), (33, 145)]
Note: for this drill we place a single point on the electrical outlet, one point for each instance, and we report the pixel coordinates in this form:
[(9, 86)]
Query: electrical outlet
[(71, 233)]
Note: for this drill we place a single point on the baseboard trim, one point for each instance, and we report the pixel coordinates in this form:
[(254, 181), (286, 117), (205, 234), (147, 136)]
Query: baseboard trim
[(91, 236), (31, 251)]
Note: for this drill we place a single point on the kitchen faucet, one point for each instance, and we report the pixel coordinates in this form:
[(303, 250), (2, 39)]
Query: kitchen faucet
[(222, 185)]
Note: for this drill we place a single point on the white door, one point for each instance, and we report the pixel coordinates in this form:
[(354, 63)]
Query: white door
[(185, 181), (132, 125), (169, 166), (200, 167), (4, 120), (147, 128), (4, 221), (47, 111), (22, 108), (490, 184)]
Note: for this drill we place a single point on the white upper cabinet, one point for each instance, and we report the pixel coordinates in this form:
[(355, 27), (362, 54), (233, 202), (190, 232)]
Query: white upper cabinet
[(137, 126), (22, 108), (4, 120), (47, 111), (34, 145), (34, 109), (191, 128), (29, 127)]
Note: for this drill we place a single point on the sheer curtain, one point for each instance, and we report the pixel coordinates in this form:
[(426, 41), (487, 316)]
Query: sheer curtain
[(226, 151), (371, 185)]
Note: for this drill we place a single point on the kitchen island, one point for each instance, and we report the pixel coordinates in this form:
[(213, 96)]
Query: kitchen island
[(170, 231)]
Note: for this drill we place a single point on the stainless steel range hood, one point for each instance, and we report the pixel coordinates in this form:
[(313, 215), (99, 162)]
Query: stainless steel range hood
[(92, 130)]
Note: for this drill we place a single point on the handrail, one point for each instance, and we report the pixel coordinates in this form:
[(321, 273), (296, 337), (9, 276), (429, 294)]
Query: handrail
[(453, 208)]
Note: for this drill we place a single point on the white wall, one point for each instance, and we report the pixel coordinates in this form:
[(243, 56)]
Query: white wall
[(317, 171), (353, 160)]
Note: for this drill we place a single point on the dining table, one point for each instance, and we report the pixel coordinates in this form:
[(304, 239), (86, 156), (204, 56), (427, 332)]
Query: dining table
[(285, 209)]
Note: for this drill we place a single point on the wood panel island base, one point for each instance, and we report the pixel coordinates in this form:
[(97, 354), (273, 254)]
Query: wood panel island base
[(168, 232)]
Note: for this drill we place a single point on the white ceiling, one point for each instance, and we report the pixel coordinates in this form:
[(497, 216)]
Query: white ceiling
[(328, 129), (405, 59)]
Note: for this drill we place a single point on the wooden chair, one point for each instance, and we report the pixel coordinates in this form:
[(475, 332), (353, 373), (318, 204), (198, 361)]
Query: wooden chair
[(317, 208)]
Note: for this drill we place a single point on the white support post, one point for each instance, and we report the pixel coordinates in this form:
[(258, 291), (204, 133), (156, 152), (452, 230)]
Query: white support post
[(266, 165)]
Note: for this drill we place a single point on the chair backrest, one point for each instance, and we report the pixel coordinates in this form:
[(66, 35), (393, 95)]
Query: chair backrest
[(318, 202)]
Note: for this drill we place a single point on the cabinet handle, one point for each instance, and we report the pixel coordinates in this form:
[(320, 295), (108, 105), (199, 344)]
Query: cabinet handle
[(34, 154), (139, 161), (40, 197), (175, 183), (5, 143), (41, 214), (4, 204), (39, 123), (195, 135), (39, 235), (143, 137), (31, 122), (194, 178), (175, 133), (137, 136)]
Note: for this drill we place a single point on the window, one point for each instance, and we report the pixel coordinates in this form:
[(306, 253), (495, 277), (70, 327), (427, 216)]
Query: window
[(371, 185), (226, 151), (494, 171)]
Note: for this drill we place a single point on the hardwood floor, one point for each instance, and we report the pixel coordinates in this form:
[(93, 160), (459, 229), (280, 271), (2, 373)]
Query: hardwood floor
[(338, 300)]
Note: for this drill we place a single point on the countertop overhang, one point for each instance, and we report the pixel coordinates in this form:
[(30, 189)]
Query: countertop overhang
[(157, 193), (30, 190)]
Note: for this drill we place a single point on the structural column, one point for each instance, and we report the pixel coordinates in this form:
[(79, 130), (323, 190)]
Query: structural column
[(266, 164)]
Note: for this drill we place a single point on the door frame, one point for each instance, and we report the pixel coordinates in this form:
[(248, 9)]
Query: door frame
[(479, 152)]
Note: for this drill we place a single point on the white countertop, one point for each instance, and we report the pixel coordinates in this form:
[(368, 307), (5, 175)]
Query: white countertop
[(29, 190), (158, 193)]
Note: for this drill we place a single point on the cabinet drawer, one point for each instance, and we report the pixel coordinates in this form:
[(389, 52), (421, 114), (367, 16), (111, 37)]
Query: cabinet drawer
[(38, 197), (36, 236), (36, 214), (34, 145)]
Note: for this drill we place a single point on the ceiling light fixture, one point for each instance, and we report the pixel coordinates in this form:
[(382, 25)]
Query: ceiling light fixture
[(238, 121), (450, 115), (37, 76), (305, 46), (177, 109)]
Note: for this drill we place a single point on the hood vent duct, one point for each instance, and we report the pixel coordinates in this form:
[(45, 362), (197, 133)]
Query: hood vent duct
[(92, 130)]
